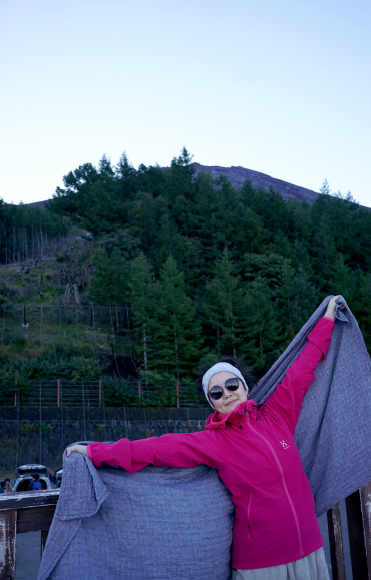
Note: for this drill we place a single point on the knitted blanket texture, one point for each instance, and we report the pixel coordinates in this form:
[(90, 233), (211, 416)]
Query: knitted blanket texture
[(163, 523)]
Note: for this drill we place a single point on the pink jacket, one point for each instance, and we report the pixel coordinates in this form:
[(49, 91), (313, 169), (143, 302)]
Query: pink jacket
[(254, 451)]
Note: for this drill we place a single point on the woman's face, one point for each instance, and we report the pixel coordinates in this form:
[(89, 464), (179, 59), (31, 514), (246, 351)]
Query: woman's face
[(229, 400)]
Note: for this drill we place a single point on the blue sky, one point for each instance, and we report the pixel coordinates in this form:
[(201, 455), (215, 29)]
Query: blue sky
[(281, 87)]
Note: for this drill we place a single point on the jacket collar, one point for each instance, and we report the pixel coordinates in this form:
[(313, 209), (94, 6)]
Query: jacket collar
[(220, 420)]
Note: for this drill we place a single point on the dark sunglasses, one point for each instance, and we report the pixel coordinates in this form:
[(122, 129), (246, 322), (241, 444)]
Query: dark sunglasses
[(216, 392)]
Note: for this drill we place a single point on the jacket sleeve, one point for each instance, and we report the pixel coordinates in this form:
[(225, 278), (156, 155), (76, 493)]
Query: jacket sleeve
[(285, 402), (173, 450)]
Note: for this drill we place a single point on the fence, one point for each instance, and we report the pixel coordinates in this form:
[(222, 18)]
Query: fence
[(99, 393), (36, 425)]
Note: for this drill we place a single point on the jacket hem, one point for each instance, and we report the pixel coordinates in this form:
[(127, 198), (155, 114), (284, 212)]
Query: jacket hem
[(244, 565)]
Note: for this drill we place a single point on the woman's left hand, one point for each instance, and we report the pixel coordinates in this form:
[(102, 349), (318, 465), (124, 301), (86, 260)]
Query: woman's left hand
[(331, 306)]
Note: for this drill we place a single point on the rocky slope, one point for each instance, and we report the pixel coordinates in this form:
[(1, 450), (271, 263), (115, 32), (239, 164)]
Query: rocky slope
[(238, 175)]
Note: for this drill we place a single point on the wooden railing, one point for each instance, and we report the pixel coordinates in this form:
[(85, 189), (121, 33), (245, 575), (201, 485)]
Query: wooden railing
[(27, 511), (34, 511)]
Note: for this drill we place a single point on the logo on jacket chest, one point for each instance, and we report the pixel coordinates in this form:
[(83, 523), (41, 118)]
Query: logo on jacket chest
[(284, 444)]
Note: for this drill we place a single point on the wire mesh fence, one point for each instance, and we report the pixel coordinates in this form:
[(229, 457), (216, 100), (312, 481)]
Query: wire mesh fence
[(98, 393), (36, 424)]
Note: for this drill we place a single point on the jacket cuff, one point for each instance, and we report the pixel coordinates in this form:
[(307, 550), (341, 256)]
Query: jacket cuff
[(90, 453), (321, 335)]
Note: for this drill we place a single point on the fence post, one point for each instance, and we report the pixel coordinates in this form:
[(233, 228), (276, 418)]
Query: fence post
[(15, 392), (139, 391), (177, 395), (59, 393), (356, 536), (336, 543), (8, 537), (365, 492), (100, 393)]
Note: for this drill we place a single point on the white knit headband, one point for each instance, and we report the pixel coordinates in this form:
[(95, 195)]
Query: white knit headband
[(218, 368)]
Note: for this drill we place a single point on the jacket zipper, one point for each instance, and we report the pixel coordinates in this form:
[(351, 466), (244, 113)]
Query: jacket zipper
[(248, 517), (283, 483)]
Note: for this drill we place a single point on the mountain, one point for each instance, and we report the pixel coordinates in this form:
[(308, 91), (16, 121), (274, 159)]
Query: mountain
[(238, 175), (40, 204)]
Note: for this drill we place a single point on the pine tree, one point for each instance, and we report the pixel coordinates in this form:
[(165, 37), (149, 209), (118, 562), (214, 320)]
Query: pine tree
[(227, 305), (142, 301), (264, 340), (108, 285), (177, 330)]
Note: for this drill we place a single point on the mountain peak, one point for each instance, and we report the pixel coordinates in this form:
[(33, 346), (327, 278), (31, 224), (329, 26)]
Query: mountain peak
[(238, 175)]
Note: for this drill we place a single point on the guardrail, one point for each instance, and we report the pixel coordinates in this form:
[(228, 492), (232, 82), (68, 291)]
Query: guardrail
[(34, 511), (20, 512)]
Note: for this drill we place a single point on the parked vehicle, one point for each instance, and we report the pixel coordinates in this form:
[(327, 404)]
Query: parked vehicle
[(58, 477), (24, 475)]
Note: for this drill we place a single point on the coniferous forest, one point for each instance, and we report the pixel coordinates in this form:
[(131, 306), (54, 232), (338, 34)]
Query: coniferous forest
[(206, 270)]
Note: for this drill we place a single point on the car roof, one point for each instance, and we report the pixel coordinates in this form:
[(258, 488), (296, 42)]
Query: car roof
[(32, 468)]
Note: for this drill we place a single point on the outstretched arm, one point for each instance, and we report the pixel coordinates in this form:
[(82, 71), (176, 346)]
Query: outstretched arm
[(173, 450), (285, 402)]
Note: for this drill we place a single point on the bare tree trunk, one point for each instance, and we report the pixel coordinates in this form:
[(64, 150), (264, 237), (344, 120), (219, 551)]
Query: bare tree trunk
[(13, 245), (231, 315), (41, 242), (287, 293), (218, 335), (76, 294), (261, 343), (176, 353), (145, 345)]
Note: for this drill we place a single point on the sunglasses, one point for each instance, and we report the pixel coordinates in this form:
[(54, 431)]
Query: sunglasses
[(231, 385)]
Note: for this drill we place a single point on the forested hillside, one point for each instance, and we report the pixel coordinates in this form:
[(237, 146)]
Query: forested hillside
[(205, 269), (29, 233)]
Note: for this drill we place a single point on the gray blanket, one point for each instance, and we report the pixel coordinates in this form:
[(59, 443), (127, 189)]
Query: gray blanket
[(333, 432), (177, 523), (157, 524)]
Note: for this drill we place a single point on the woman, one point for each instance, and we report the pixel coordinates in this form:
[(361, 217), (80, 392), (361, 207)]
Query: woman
[(276, 534), (8, 486)]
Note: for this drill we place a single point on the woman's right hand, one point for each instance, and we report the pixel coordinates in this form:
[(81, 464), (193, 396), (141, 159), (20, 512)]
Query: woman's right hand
[(331, 307), (79, 448)]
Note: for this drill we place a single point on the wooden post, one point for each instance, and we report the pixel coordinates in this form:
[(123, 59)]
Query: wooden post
[(356, 536), (8, 536), (15, 393), (139, 392), (365, 492), (59, 393), (336, 543), (177, 395), (100, 394), (44, 537)]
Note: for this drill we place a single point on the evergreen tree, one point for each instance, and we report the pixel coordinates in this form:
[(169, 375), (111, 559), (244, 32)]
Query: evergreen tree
[(264, 340), (142, 301), (227, 305), (177, 333), (108, 286)]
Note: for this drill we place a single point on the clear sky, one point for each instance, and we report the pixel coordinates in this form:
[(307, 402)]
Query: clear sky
[(279, 86)]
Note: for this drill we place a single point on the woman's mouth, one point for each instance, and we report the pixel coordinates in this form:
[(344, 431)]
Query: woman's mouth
[(230, 402)]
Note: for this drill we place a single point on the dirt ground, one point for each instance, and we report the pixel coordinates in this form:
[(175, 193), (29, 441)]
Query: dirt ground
[(5, 474)]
